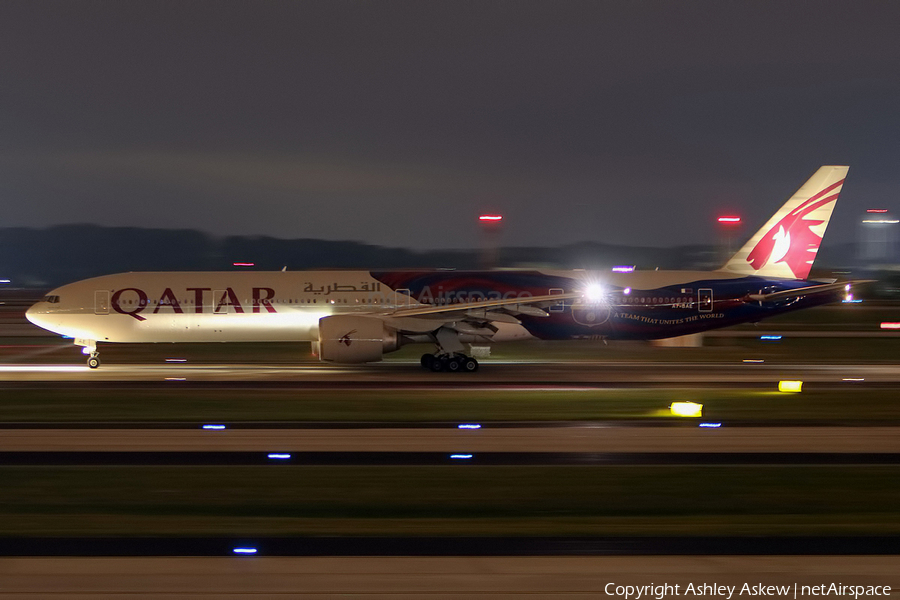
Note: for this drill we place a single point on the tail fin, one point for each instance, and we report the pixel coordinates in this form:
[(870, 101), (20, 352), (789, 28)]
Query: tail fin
[(787, 245)]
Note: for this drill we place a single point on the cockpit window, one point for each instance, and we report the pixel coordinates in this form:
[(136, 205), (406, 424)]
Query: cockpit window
[(51, 299)]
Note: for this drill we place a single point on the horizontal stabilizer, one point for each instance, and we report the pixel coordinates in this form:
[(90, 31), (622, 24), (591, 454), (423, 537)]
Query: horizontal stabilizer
[(805, 291)]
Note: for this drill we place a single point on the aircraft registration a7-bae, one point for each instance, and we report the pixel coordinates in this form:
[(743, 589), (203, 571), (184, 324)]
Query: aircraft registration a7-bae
[(359, 316)]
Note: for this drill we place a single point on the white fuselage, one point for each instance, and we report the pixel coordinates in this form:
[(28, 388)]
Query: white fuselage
[(209, 306)]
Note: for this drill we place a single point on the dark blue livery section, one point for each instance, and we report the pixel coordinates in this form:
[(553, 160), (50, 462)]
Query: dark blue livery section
[(621, 312)]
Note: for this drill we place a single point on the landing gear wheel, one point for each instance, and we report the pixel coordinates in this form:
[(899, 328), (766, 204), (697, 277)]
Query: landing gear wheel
[(454, 364), (469, 364), (427, 360), (437, 365), (93, 362)]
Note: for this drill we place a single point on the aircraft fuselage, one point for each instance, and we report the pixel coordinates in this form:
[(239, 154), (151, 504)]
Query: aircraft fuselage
[(286, 306)]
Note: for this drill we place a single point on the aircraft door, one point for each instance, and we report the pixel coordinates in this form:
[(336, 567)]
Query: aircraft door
[(558, 306), (101, 302), (403, 298), (705, 300)]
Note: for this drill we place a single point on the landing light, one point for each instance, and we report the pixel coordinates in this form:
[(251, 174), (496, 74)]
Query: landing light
[(686, 409), (790, 386), (594, 292)]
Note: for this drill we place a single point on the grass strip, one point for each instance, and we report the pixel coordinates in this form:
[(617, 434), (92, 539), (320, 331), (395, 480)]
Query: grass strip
[(450, 500), (848, 405)]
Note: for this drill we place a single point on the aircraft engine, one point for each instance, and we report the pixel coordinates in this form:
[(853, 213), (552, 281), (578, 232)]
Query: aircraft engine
[(352, 339)]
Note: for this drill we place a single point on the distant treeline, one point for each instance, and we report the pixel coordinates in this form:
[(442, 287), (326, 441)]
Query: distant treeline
[(56, 255)]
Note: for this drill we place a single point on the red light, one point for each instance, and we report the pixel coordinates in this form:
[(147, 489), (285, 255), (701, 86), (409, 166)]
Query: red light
[(877, 210), (240, 264), (729, 219), (490, 218)]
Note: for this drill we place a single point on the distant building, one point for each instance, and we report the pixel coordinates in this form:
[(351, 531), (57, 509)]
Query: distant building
[(877, 237)]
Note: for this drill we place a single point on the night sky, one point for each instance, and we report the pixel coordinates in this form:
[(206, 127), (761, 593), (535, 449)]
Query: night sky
[(397, 123)]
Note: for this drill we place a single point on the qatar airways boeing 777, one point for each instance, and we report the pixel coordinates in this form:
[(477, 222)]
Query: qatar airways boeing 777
[(358, 316)]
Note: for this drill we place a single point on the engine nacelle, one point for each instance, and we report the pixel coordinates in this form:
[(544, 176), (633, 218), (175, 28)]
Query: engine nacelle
[(352, 339)]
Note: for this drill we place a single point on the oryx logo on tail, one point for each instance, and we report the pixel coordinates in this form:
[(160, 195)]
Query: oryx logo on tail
[(786, 246), (792, 240)]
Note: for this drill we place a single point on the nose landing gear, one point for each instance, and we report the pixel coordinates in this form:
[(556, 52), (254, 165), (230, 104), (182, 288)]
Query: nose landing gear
[(89, 347)]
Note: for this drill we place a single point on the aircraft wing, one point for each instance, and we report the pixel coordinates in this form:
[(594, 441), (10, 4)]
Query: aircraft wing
[(530, 306), (805, 291)]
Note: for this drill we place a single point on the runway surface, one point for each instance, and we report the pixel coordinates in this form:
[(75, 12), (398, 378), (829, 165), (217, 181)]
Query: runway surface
[(376, 578), (446, 458), (450, 546), (390, 373), (576, 439)]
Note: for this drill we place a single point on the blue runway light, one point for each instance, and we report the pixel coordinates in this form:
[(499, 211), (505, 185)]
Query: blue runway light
[(276, 456), (244, 550), (770, 337), (711, 425), (213, 427), (469, 426), (461, 456)]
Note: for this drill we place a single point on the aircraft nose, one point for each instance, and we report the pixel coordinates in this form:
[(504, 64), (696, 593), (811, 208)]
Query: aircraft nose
[(33, 314)]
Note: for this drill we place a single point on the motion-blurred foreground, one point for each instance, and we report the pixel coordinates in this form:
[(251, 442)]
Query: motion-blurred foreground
[(242, 441)]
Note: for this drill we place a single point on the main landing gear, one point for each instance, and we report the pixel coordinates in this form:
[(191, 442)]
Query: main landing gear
[(449, 356), (453, 364)]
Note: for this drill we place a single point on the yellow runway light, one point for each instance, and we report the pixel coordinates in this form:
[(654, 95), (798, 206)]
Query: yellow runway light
[(789, 386), (686, 409)]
